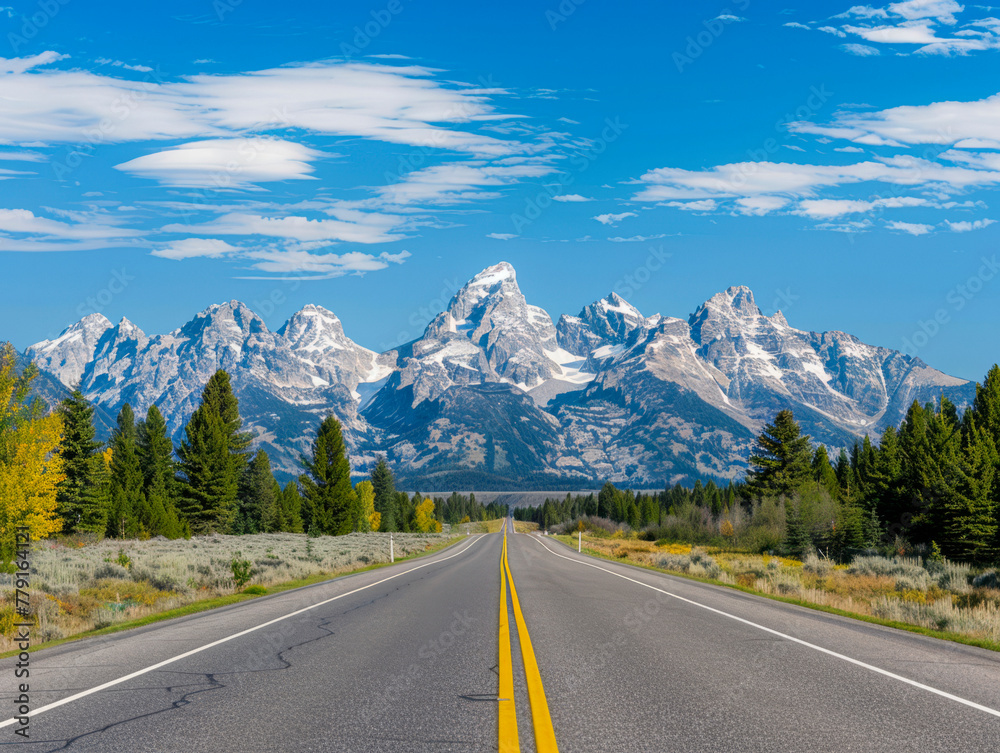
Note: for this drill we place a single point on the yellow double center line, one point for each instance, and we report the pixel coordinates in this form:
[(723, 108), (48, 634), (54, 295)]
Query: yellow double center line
[(545, 736)]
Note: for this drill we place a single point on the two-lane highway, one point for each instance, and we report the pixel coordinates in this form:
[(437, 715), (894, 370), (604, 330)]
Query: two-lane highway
[(412, 658)]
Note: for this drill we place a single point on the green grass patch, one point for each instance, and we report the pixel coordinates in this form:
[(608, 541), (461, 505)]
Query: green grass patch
[(570, 541), (252, 592)]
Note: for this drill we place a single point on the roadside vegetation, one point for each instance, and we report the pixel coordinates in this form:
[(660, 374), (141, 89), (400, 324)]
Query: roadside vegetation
[(905, 529), (137, 526), (79, 584)]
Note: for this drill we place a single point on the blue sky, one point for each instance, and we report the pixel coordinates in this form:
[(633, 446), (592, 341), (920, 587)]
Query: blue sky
[(843, 161)]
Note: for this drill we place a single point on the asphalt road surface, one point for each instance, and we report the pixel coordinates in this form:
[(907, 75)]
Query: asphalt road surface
[(414, 658)]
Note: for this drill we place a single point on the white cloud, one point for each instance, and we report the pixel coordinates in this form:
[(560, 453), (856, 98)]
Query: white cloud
[(501, 236), (746, 179), (126, 66), (613, 219), (23, 230), (848, 149), (375, 229), (457, 182), (301, 265), (917, 23), (705, 205), (394, 104), (226, 163), (638, 238), (913, 228), (760, 205), (966, 226), (797, 25), (729, 18), (571, 197), (861, 50), (191, 248), (965, 124)]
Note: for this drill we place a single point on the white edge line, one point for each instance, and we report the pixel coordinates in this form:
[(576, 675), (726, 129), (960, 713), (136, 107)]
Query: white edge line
[(801, 642), (165, 662)]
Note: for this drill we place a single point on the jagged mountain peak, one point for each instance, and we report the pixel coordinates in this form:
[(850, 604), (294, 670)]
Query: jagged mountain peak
[(311, 320), (233, 318), (738, 299), (67, 355)]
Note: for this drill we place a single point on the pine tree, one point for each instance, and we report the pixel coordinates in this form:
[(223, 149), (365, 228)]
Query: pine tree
[(156, 459), (213, 455), (885, 484), (291, 508), (128, 506), (259, 509), (78, 498), (968, 510), (823, 473), (385, 495), (782, 461), (329, 496)]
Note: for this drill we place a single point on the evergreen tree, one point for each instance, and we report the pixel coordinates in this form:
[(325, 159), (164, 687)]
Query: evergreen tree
[(782, 460), (823, 473), (156, 459), (846, 483), (968, 510), (213, 455), (78, 496), (329, 496), (385, 495), (885, 484), (606, 500), (128, 506), (291, 508), (259, 510)]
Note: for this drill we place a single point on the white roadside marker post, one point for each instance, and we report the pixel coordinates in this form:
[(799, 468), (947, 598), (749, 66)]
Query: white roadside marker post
[(579, 541), (392, 554)]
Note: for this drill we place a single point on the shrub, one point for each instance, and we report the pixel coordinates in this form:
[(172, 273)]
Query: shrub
[(108, 570), (242, 570), (255, 590), (989, 579), (814, 564)]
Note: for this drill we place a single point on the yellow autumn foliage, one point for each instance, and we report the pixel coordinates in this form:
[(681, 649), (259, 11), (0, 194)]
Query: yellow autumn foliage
[(425, 521), (30, 465)]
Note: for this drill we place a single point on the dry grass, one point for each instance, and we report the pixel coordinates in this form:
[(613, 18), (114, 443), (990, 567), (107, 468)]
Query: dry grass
[(935, 595), (79, 588)]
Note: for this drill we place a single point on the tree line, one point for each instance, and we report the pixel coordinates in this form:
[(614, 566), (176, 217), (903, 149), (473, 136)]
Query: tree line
[(56, 476), (932, 483)]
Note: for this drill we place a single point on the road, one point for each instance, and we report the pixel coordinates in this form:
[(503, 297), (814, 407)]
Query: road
[(413, 658)]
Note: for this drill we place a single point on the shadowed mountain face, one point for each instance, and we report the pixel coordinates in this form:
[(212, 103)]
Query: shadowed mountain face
[(493, 395)]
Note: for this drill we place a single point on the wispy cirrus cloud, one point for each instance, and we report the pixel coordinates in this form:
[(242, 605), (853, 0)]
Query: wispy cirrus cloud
[(896, 181), (925, 27)]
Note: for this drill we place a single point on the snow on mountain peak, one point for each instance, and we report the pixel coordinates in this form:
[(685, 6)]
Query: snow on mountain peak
[(67, 355), (492, 275)]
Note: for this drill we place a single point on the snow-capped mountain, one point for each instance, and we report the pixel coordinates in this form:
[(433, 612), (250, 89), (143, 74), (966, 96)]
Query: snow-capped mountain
[(492, 394), (67, 356)]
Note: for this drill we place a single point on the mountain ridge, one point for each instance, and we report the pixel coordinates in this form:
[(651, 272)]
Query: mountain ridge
[(494, 386)]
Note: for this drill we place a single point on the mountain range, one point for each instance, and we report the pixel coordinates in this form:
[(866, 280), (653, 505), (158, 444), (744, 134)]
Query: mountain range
[(496, 395)]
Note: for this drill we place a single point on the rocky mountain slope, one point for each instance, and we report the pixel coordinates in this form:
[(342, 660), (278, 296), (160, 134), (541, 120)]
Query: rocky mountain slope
[(494, 395)]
